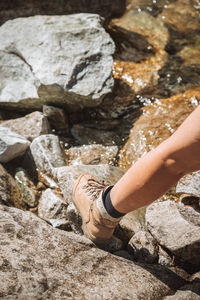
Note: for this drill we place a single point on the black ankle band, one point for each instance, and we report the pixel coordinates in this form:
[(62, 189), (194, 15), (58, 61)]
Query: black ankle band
[(108, 204)]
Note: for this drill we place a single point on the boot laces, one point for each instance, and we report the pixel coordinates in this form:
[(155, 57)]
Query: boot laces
[(94, 188)]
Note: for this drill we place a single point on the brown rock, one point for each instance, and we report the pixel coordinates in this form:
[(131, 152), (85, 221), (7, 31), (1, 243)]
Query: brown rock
[(158, 121), (30, 126), (181, 16), (91, 155), (40, 262), (9, 192)]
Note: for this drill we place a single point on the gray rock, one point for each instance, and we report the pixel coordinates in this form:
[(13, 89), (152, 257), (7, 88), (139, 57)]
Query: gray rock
[(143, 247), (41, 262), (27, 188), (189, 184), (91, 155), (187, 292), (57, 118), (66, 176), (64, 59), (175, 232), (164, 258), (12, 144), (86, 135), (74, 219), (30, 126), (47, 155), (53, 209), (12, 10), (9, 191)]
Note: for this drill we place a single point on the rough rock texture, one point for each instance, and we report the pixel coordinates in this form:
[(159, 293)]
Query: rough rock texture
[(143, 247), (64, 59), (182, 16), (66, 176), (91, 155), (189, 291), (158, 121), (74, 218), (27, 189), (53, 209), (189, 184), (86, 135), (19, 8), (9, 192), (164, 258), (12, 144), (47, 153), (40, 262), (57, 118), (175, 231), (30, 126)]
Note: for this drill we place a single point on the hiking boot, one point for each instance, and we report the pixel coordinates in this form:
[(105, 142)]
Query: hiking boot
[(97, 224)]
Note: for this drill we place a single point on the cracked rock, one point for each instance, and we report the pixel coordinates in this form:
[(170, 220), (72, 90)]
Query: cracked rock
[(63, 60)]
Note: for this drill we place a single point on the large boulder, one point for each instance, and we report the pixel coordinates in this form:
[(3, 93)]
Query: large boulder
[(40, 262), (176, 228), (190, 184), (20, 8), (12, 145), (63, 59)]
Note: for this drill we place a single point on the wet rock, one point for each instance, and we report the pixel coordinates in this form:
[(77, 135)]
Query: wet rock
[(66, 176), (12, 10), (86, 135), (190, 55), (189, 291), (143, 247), (57, 118), (175, 232), (53, 209), (30, 126), (68, 62), (189, 184), (91, 155), (27, 188), (164, 258), (9, 191), (158, 121), (29, 246), (12, 144), (182, 16), (47, 155)]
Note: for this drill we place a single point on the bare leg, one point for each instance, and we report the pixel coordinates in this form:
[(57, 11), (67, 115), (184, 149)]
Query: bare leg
[(158, 170)]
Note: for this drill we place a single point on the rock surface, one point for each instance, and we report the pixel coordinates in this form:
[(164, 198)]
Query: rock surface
[(40, 262), (9, 191), (64, 59), (57, 118), (12, 10), (30, 126), (143, 247), (175, 232), (12, 144), (47, 154), (158, 121), (187, 292), (66, 176), (53, 209), (189, 184), (27, 189), (91, 155)]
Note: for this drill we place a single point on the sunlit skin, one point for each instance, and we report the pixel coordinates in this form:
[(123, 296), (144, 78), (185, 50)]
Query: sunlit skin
[(153, 174)]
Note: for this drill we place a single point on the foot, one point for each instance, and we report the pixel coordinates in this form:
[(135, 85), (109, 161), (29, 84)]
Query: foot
[(98, 226)]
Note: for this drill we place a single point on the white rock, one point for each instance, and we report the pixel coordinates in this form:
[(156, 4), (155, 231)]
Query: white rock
[(12, 144)]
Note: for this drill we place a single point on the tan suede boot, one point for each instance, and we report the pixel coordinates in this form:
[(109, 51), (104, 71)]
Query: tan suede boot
[(98, 225)]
